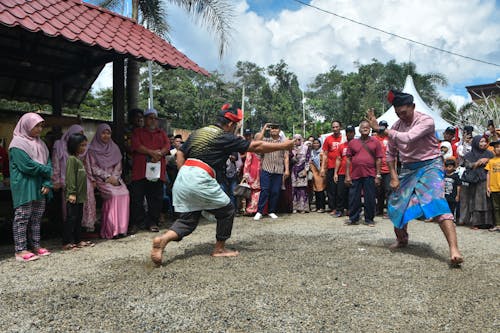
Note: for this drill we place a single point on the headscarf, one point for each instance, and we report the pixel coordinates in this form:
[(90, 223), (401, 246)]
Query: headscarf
[(477, 153), (33, 146), (61, 145), (316, 156), (449, 151), (106, 155)]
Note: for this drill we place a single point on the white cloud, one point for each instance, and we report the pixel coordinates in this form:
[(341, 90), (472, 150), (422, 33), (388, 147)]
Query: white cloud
[(311, 41)]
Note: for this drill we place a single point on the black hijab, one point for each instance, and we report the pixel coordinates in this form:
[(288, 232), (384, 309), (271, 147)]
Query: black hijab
[(477, 153)]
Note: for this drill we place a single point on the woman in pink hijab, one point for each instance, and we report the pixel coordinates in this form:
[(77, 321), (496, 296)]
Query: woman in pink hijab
[(105, 161), (59, 158), (30, 171)]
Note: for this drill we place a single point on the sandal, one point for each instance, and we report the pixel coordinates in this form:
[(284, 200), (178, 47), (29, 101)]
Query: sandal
[(42, 251), (154, 228), (69, 247), (85, 244), (26, 257)]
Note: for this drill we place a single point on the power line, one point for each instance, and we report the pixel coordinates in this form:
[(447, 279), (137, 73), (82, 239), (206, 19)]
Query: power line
[(396, 35)]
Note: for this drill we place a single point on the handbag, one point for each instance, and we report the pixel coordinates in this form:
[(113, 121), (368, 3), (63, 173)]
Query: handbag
[(471, 176), (153, 170), (243, 190)]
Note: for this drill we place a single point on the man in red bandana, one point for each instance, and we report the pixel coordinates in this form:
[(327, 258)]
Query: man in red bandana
[(201, 161)]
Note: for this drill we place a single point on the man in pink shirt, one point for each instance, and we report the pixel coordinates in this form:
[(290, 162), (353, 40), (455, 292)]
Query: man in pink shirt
[(419, 189)]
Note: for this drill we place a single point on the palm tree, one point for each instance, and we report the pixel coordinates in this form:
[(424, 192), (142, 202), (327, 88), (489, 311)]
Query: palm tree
[(214, 15)]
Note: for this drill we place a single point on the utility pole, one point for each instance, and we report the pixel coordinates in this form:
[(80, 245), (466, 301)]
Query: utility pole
[(303, 116), (242, 109)]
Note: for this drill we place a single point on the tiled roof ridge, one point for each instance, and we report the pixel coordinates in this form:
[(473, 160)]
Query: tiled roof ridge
[(76, 20)]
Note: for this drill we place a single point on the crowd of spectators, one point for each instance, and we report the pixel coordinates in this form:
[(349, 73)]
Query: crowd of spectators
[(341, 173)]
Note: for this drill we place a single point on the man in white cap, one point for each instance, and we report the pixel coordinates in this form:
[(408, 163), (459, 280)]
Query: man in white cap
[(149, 144), (202, 159)]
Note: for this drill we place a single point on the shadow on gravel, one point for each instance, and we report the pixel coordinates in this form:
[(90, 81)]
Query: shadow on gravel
[(205, 249), (417, 249)]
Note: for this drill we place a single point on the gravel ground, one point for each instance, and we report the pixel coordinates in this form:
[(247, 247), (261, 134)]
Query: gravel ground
[(300, 273)]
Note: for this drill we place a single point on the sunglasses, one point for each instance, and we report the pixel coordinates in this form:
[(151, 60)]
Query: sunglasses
[(274, 127)]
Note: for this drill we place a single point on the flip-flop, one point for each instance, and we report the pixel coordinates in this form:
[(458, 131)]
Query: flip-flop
[(26, 257)]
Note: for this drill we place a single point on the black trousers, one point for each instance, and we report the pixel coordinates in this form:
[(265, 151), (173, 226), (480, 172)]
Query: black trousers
[(187, 222), (320, 199), (73, 226), (331, 190), (342, 194), (383, 191), (153, 191)]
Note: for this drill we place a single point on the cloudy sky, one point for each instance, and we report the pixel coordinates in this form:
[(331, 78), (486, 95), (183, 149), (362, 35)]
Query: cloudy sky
[(311, 41)]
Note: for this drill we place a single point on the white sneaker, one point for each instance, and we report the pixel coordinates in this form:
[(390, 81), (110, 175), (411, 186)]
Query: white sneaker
[(257, 216), (273, 216)]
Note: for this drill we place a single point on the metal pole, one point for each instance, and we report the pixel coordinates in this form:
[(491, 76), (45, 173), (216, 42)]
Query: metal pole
[(303, 115), (242, 109)]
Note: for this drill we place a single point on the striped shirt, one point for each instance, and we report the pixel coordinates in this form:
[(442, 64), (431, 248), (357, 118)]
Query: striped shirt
[(273, 162)]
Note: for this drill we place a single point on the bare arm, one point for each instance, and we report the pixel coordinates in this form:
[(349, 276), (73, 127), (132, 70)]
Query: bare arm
[(260, 135), (179, 159), (261, 147)]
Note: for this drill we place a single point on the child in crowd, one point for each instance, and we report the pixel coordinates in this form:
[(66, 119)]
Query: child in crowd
[(493, 184), (76, 193), (452, 185)]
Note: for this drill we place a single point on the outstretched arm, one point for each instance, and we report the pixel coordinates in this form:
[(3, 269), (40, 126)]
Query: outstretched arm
[(261, 147)]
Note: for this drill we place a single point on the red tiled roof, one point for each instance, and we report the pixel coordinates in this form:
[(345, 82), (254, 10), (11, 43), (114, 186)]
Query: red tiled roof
[(94, 26)]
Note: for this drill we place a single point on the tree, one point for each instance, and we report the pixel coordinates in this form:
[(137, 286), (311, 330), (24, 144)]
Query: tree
[(213, 14)]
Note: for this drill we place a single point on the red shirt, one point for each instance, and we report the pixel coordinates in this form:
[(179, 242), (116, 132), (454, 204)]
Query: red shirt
[(362, 162), (155, 140), (384, 140), (330, 146), (342, 153)]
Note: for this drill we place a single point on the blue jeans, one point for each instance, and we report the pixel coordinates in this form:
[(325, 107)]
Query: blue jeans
[(228, 187), (368, 186), (270, 187)]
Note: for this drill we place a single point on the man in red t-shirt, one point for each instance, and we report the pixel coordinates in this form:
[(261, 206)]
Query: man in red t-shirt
[(339, 174), (365, 155), (330, 151), (384, 188), (149, 144)]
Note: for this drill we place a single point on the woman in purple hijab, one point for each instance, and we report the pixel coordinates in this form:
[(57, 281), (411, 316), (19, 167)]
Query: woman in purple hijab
[(105, 161)]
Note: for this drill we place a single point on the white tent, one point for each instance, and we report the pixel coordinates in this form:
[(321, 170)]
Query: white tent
[(391, 117)]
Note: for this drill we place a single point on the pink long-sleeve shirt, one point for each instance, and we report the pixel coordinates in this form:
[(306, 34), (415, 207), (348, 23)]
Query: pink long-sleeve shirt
[(413, 142)]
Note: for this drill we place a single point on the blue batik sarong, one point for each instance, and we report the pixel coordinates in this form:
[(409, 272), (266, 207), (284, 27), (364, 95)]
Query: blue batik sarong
[(420, 193)]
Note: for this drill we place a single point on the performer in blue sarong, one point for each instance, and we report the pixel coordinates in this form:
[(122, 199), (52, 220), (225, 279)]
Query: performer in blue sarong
[(201, 161), (419, 188)]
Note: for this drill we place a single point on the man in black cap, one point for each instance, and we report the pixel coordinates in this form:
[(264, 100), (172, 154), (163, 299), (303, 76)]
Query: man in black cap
[(202, 160), (419, 188), (340, 172), (384, 188)]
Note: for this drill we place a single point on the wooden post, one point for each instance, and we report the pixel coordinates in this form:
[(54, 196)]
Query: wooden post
[(119, 102)]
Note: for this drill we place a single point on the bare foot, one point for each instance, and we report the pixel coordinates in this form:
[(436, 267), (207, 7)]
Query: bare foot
[(397, 245), (456, 259), (157, 251), (225, 253)]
